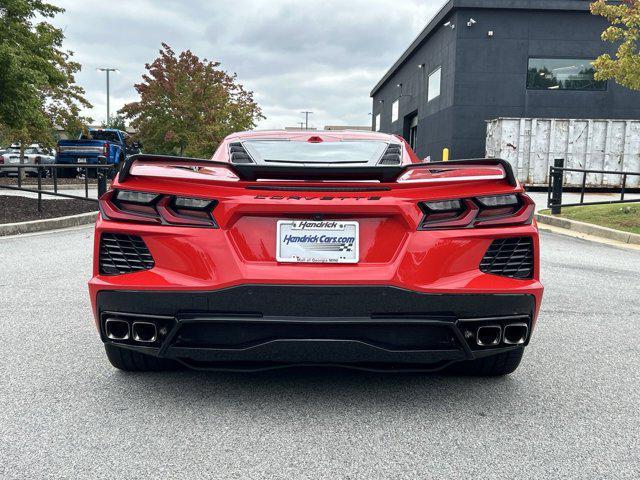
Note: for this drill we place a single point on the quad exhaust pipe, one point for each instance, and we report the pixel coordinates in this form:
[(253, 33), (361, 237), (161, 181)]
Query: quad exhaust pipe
[(511, 334), (122, 330), (144, 332), (489, 335), (516, 333), (116, 329)]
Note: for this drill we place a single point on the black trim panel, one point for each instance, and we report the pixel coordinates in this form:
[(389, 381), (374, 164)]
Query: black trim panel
[(316, 301)]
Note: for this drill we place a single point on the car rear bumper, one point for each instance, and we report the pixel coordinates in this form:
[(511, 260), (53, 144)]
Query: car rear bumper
[(254, 327)]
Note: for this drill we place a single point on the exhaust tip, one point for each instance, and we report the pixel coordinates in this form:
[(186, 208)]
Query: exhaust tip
[(516, 333), (116, 329), (489, 335), (144, 332)]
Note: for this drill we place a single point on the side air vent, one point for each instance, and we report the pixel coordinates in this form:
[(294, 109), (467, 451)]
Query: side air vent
[(238, 154), (123, 254), (509, 257), (392, 156)]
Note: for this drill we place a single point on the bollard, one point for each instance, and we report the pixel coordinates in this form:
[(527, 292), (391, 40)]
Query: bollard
[(102, 176), (556, 186), (39, 189), (445, 154)]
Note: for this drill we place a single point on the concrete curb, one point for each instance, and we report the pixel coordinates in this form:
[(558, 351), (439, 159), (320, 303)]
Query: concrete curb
[(589, 229), (47, 224)]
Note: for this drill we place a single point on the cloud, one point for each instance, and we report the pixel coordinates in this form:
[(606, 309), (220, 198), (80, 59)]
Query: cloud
[(323, 56)]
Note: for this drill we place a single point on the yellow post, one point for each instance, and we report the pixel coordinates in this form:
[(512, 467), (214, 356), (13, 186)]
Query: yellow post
[(445, 154)]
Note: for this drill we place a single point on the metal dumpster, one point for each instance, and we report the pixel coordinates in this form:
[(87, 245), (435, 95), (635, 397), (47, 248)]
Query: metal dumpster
[(531, 145)]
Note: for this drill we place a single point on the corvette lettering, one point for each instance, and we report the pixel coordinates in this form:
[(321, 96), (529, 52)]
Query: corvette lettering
[(324, 198)]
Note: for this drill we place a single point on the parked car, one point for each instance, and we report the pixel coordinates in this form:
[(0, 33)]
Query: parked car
[(316, 248), (32, 154), (114, 145)]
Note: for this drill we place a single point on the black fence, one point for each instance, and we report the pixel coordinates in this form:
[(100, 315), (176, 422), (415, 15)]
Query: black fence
[(556, 186), (100, 171)]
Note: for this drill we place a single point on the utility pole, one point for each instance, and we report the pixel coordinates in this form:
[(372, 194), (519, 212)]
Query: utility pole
[(108, 70), (306, 119), (301, 125)]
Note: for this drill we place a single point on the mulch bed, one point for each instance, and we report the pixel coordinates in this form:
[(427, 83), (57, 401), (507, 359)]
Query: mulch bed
[(23, 209), (13, 181)]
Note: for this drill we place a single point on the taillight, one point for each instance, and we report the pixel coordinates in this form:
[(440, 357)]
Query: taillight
[(145, 207), (497, 210), (1, 160), (105, 149)]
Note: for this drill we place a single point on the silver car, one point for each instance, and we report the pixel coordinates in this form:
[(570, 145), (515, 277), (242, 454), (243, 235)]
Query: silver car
[(32, 154)]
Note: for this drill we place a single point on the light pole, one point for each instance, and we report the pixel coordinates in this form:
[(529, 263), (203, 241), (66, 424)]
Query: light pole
[(306, 119), (108, 70)]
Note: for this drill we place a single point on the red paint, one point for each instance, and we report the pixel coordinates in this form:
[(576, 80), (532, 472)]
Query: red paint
[(242, 250)]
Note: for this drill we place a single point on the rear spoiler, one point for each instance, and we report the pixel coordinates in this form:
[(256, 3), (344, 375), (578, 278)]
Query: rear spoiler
[(252, 172)]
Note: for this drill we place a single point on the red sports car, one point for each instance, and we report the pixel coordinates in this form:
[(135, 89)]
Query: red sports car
[(316, 248)]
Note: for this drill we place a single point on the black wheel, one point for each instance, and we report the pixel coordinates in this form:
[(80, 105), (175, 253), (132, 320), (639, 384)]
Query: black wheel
[(493, 366), (131, 361)]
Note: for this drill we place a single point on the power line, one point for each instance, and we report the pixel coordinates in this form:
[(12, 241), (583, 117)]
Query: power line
[(306, 119)]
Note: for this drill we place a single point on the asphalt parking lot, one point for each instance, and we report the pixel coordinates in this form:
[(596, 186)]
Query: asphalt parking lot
[(570, 411)]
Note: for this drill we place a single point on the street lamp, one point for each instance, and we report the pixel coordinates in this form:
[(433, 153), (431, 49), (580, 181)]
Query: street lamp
[(108, 70)]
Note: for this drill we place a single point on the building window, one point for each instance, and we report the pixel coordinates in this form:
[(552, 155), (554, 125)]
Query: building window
[(395, 110), (562, 74), (434, 84), (377, 122)]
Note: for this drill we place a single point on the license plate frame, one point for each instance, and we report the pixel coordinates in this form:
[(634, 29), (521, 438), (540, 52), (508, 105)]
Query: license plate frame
[(324, 241)]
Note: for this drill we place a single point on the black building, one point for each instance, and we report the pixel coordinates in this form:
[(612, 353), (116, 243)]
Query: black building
[(483, 59)]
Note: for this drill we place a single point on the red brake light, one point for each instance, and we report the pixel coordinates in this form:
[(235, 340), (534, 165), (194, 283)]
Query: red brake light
[(105, 149), (132, 206), (477, 212), (1, 160)]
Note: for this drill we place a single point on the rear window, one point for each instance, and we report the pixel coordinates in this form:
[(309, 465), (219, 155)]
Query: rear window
[(101, 135), (283, 151)]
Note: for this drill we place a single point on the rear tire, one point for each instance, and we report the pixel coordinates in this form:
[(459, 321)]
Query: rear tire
[(131, 361), (493, 366)]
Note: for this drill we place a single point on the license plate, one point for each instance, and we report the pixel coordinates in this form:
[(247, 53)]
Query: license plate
[(82, 160), (326, 241)]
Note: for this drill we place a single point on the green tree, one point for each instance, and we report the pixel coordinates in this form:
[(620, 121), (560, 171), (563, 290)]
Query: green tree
[(37, 85), (118, 122), (187, 105), (624, 31)]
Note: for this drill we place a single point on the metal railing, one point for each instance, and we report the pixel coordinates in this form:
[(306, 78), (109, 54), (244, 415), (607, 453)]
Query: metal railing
[(101, 169), (556, 186)]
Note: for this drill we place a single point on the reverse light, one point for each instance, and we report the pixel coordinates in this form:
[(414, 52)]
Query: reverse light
[(191, 203), (498, 201), (143, 198), (445, 205)]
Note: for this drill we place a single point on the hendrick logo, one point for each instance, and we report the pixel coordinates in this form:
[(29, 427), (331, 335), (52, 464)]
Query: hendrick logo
[(308, 224)]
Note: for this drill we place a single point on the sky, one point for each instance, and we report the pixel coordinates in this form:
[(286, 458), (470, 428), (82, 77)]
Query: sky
[(319, 55)]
